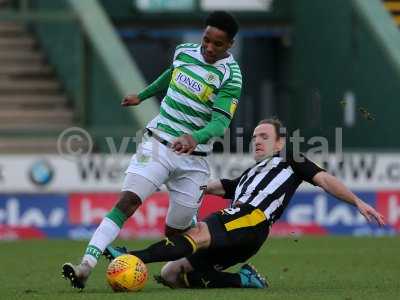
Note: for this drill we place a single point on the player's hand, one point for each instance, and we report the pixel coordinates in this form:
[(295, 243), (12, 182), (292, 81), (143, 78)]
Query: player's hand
[(130, 100), (370, 213), (184, 144)]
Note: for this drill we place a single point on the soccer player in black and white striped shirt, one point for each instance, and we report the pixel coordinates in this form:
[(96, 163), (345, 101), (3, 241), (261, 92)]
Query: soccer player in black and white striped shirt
[(233, 235)]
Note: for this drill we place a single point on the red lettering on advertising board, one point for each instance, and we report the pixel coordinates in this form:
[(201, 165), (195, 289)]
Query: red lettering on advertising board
[(285, 229), (388, 204), (19, 233), (148, 221), (211, 204)]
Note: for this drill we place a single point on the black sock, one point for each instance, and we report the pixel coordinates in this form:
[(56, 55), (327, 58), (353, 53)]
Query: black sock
[(211, 279), (168, 249)]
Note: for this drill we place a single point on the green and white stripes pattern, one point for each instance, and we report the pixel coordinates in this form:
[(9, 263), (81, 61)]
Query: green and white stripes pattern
[(193, 90), (236, 76)]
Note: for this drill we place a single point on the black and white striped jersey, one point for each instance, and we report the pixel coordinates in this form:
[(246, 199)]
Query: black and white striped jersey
[(270, 184)]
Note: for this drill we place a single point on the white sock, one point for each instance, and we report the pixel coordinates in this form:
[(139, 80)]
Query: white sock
[(104, 235)]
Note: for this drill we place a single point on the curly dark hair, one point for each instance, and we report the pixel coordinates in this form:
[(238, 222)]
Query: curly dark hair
[(223, 21)]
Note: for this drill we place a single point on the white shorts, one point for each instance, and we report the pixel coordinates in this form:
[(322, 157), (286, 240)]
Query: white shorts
[(184, 175)]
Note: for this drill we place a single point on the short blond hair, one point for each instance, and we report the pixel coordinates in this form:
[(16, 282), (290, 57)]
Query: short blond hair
[(278, 125)]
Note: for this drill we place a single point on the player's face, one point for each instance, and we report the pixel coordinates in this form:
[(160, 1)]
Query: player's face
[(215, 44), (265, 142)]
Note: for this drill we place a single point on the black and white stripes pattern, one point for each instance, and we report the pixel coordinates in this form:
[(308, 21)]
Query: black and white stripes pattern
[(269, 185)]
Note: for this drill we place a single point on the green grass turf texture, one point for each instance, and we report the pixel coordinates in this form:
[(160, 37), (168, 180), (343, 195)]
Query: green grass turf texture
[(297, 268)]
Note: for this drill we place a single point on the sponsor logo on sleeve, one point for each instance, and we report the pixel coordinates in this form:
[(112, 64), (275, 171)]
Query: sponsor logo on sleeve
[(233, 107)]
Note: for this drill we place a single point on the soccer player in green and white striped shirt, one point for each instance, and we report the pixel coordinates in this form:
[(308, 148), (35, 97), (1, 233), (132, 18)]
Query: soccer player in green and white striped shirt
[(203, 87)]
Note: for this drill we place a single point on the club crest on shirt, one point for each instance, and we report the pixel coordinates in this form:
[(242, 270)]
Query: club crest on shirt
[(211, 78)]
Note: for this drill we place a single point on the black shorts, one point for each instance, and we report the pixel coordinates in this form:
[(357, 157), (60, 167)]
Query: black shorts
[(236, 235)]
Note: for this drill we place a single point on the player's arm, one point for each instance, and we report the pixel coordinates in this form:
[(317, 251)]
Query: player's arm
[(223, 187), (310, 172), (336, 188), (160, 84), (215, 187), (223, 111)]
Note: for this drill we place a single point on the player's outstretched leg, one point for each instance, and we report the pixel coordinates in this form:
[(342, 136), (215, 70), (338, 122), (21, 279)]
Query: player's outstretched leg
[(251, 278), (247, 277), (177, 246), (104, 235), (210, 279), (112, 252), (168, 249), (182, 274)]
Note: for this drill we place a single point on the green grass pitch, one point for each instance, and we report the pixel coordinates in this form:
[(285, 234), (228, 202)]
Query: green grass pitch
[(297, 268)]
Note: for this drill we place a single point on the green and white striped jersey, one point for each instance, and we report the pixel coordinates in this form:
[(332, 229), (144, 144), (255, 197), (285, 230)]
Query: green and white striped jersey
[(196, 90)]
